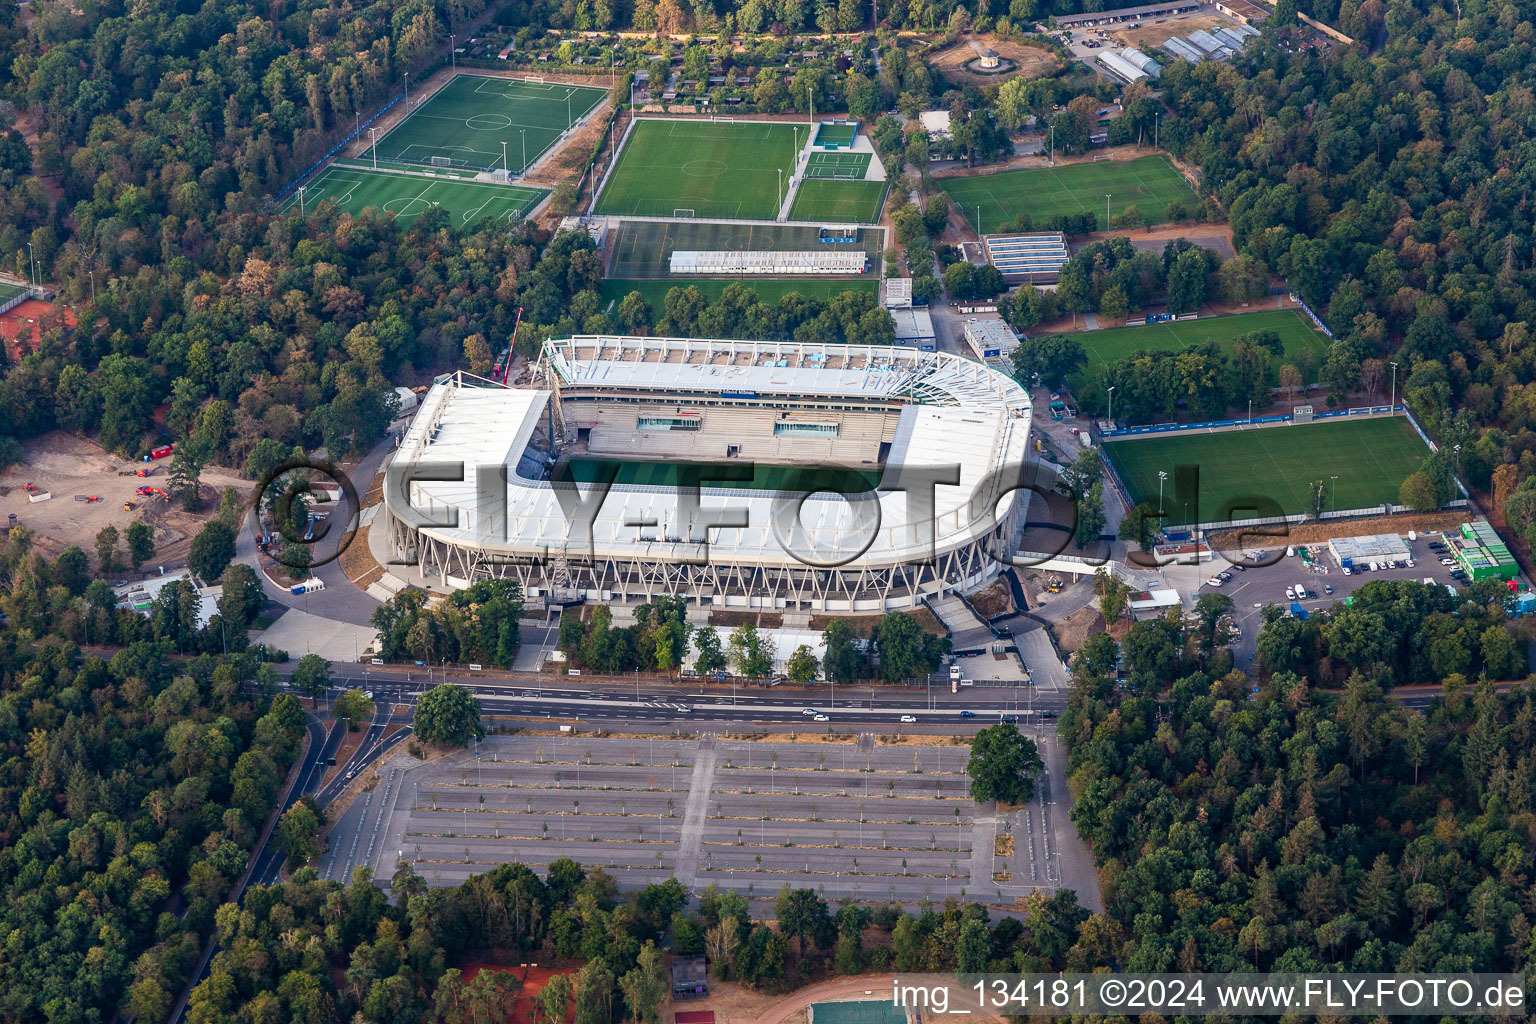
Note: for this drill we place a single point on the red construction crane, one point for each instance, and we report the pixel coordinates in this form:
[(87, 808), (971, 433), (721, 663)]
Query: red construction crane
[(512, 348)]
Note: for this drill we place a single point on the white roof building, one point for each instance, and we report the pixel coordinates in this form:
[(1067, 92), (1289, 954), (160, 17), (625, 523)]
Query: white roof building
[(822, 550), (935, 122)]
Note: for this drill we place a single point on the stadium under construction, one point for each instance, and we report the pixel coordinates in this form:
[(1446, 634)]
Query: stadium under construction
[(742, 474)]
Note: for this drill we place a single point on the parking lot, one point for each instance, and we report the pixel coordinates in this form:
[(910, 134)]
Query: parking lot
[(1250, 591), (858, 819)]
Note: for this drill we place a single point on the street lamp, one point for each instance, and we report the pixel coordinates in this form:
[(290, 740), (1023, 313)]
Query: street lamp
[(1161, 476), (523, 132), (373, 134), (453, 59), (301, 200), (1394, 386), (31, 265), (1106, 211), (1111, 415), (1334, 498)]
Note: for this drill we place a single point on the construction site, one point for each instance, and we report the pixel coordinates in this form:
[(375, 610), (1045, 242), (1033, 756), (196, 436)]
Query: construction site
[(67, 489)]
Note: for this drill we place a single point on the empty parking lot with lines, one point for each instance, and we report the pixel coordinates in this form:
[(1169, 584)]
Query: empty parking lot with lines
[(474, 119), (1148, 183), (1363, 463), (407, 196), (713, 168), (853, 820)]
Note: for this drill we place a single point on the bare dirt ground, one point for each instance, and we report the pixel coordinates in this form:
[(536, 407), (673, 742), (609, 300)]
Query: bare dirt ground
[(1073, 631), (65, 465), (1029, 61), (1147, 36), (1316, 533)]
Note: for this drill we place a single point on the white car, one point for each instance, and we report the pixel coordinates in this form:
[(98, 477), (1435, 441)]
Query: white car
[(1447, 561), (808, 712), (821, 718), (908, 719)]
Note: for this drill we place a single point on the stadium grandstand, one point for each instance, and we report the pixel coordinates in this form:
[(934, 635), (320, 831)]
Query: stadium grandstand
[(742, 474), (1033, 258), (796, 263)]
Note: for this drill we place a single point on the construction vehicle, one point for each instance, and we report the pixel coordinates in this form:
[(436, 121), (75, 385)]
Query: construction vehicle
[(129, 506), (30, 487), (89, 499), (150, 471), (146, 491)]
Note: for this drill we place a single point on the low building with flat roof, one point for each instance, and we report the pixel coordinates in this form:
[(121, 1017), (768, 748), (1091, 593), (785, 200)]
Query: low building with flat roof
[(990, 339), (1375, 547)]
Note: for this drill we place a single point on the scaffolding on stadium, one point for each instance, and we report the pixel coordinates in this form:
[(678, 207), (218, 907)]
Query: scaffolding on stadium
[(721, 261)]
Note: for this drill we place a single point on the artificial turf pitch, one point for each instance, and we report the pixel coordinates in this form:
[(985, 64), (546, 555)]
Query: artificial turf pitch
[(406, 196), (1148, 183), (714, 168), (841, 202), (1109, 345), (837, 165), (9, 290), (1369, 457), (474, 119), (643, 248), (771, 291)]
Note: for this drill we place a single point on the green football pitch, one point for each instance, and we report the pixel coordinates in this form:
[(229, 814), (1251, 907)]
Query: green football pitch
[(837, 165), (1148, 183), (655, 292), (840, 202), (405, 196), (474, 120), (1363, 463), (836, 134), (1297, 335), (714, 168), (9, 291)]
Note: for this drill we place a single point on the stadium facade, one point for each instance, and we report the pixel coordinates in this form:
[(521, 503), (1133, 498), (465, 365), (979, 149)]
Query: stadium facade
[(739, 474)]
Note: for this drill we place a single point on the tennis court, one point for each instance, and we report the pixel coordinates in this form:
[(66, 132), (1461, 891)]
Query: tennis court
[(843, 202), (829, 134), (404, 196), (1148, 183), (837, 165), (481, 122), (643, 248), (706, 168), (1369, 457)]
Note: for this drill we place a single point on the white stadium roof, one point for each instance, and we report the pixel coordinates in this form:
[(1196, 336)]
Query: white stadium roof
[(952, 411)]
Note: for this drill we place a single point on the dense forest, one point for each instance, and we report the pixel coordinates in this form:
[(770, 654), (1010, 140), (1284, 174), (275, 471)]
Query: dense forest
[(132, 787), (1296, 829)]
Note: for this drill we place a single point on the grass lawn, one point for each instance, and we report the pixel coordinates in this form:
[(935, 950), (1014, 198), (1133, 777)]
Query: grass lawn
[(1370, 457), (714, 168), (1296, 333), (843, 202), (405, 196), (655, 291), (474, 119), (1148, 183)]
